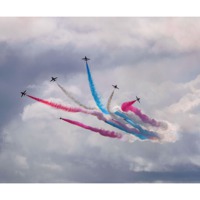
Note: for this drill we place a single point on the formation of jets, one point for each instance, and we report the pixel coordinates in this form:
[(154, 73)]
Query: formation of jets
[(86, 59), (23, 93)]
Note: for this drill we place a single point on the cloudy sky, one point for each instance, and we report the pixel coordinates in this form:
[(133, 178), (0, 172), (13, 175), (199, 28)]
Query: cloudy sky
[(155, 58)]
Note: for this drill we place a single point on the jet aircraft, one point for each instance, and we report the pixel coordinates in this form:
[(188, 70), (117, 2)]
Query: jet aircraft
[(53, 79), (86, 59), (115, 86), (138, 99), (23, 93)]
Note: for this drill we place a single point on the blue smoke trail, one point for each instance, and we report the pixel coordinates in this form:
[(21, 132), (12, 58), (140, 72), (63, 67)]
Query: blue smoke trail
[(144, 134), (142, 137), (94, 92), (131, 122)]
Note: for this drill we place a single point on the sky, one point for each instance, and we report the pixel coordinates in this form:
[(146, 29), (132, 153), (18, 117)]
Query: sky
[(154, 58)]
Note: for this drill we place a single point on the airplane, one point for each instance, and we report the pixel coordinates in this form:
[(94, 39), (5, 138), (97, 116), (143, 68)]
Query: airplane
[(53, 79), (115, 86), (86, 59), (138, 99), (23, 93)]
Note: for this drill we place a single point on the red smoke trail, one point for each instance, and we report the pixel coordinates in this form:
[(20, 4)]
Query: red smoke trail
[(106, 133), (58, 106), (127, 106), (97, 114)]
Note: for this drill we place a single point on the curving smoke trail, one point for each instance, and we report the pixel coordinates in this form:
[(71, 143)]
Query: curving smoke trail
[(103, 132), (58, 106), (127, 106), (119, 125), (115, 123), (144, 132), (73, 99), (94, 92), (120, 119), (119, 114), (109, 101), (137, 130), (131, 131), (97, 114), (108, 107)]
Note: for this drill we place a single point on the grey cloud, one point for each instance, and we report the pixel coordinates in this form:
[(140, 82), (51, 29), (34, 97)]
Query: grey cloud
[(92, 167), (17, 71)]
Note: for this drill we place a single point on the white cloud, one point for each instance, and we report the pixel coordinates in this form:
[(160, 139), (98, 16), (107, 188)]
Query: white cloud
[(24, 28), (186, 109), (156, 34), (141, 165), (190, 100)]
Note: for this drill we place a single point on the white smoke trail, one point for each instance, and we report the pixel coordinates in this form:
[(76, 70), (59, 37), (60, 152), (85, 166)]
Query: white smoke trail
[(118, 119), (73, 99)]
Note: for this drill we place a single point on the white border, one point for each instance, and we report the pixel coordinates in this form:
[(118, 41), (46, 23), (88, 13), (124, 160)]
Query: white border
[(99, 8), (99, 191)]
